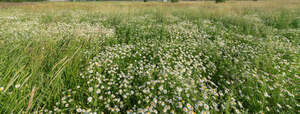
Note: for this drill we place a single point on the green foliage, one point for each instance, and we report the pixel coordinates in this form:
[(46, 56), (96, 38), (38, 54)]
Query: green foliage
[(174, 1), (296, 23), (220, 1)]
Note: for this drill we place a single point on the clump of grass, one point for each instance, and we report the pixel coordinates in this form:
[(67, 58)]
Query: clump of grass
[(296, 23)]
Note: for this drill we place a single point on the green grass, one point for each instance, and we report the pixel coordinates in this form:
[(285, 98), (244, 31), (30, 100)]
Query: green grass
[(185, 57)]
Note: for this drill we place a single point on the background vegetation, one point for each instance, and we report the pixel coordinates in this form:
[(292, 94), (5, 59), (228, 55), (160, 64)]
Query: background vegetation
[(121, 0), (21, 0)]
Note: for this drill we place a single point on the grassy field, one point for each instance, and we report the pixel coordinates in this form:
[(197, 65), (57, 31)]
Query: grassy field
[(125, 57)]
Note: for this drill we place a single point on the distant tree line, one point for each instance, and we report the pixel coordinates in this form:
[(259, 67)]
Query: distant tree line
[(220, 1), (217, 1), (22, 0)]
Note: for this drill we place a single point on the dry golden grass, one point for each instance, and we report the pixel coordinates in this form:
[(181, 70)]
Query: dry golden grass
[(228, 6)]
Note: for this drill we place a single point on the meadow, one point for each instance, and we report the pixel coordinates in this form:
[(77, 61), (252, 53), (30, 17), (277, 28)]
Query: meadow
[(154, 57)]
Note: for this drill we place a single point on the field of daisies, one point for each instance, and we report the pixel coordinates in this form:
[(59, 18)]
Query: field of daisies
[(154, 58)]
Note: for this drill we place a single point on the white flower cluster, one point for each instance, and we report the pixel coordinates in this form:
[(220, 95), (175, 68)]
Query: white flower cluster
[(151, 78)]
